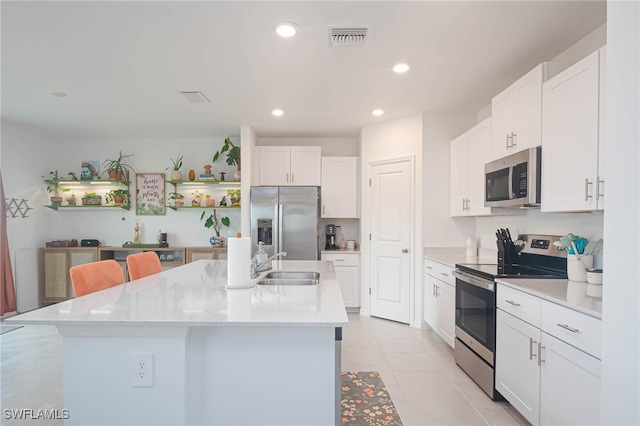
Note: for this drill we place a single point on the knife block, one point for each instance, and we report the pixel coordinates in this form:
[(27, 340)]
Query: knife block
[(507, 254)]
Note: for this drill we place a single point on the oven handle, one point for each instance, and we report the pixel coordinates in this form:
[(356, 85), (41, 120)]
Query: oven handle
[(478, 282)]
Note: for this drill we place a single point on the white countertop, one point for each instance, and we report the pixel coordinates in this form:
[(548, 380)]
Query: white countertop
[(451, 255), (572, 294), (194, 295)]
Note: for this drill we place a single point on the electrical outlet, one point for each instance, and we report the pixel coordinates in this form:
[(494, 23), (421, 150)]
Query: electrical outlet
[(142, 369)]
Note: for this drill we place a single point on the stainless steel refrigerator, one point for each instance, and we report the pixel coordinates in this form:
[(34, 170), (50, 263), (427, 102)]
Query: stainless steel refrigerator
[(286, 218)]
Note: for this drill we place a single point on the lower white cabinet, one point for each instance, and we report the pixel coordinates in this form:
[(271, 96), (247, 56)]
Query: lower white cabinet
[(548, 380), (440, 300), (347, 267)]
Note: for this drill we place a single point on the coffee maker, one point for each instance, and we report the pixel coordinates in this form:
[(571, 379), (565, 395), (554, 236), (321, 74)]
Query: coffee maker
[(331, 238)]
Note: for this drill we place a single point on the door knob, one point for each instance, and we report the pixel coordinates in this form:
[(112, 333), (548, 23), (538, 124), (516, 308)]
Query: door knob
[(405, 250)]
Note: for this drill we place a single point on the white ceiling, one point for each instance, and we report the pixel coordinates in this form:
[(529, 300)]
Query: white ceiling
[(123, 63)]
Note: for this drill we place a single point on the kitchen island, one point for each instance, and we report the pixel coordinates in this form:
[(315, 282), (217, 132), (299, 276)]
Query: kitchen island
[(267, 355)]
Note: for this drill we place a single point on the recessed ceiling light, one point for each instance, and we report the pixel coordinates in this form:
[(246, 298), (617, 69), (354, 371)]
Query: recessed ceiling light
[(400, 68), (286, 29), (377, 112), (59, 94), (277, 112)]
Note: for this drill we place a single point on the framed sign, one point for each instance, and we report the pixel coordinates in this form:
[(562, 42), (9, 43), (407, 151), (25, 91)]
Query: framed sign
[(150, 197)]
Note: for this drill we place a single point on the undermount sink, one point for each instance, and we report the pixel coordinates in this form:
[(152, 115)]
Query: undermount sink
[(290, 278)]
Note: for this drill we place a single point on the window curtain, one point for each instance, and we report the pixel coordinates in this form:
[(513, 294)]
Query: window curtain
[(7, 291)]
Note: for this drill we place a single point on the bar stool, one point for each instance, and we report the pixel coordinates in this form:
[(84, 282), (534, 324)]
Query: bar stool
[(143, 264), (95, 276)]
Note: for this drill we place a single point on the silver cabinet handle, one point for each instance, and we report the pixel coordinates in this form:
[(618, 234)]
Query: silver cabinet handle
[(405, 250), (507, 140), (428, 267), (338, 260), (567, 327), (291, 177), (598, 193), (540, 348), (514, 139), (433, 290), (323, 209), (442, 273), (463, 207), (287, 177), (531, 346), (437, 288), (511, 302), (586, 189)]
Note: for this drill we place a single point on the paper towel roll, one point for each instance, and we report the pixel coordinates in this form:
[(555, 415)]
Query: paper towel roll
[(239, 263)]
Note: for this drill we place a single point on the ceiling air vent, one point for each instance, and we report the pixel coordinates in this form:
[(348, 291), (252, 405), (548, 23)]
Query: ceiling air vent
[(194, 97), (348, 36)]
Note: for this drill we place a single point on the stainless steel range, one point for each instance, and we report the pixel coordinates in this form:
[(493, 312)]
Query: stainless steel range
[(530, 256)]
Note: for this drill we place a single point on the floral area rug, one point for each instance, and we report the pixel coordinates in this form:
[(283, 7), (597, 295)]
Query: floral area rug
[(365, 400)]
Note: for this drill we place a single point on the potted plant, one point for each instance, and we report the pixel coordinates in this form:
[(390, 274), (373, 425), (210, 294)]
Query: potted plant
[(54, 188), (176, 174), (119, 197), (178, 199), (234, 196), (91, 199), (197, 198), (211, 221), (117, 169), (71, 199), (223, 201), (72, 176), (233, 156), (209, 201)]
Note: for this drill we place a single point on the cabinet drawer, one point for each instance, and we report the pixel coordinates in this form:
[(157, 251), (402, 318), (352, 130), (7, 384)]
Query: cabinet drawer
[(342, 259), (519, 304), (573, 327), (440, 271)]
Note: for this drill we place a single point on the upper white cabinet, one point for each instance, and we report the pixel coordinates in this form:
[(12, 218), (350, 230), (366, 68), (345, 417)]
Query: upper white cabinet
[(573, 137), (517, 115), (289, 165), (339, 189), (469, 153)]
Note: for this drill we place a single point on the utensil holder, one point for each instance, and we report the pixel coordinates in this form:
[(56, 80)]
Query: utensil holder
[(577, 268)]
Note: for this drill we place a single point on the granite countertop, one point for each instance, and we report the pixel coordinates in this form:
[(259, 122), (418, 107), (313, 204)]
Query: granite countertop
[(194, 295), (451, 255), (572, 294)]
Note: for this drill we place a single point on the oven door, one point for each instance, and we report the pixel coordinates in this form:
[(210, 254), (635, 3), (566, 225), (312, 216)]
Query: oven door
[(476, 314)]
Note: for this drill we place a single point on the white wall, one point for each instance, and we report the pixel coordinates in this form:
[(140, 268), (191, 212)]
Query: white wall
[(25, 157), (587, 45), (621, 298), (331, 147), (438, 228), (394, 139)]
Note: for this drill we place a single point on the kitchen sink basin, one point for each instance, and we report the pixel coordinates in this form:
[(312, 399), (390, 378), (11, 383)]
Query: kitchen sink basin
[(290, 278), (305, 275)]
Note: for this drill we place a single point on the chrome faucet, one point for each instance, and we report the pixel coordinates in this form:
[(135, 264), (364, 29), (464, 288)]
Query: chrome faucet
[(256, 267)]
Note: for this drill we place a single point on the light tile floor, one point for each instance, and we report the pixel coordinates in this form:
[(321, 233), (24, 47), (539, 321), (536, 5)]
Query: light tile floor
[(417, 366)]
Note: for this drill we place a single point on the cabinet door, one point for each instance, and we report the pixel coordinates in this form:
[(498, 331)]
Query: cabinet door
[(339, 190), (479, 154), (570, 385), (570, 138), (447, 313), (459, 175), (349, 279), (431, 301), (274, 164), (204, 254), (517, 371), (306, 165), (527, 116), (601, 129), (55, 276), (502, 123)]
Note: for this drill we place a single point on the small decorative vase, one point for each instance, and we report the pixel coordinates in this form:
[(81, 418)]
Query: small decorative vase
[(211, 202), (176, 175), (236, 175), (217, 241), (192, 175), (195, 203), (180, 202)]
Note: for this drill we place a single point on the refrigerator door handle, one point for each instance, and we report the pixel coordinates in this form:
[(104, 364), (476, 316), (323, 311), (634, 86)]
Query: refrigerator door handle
[(280, 247)]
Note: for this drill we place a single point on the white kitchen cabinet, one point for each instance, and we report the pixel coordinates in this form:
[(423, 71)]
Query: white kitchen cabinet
[(572, 138), (339, 190), (347, 266), (517, 115), (439, 300), (547, 363), (469, 153), (517, 371), (289, 165)]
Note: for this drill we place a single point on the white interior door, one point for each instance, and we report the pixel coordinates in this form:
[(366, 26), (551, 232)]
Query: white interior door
[(391, 194)]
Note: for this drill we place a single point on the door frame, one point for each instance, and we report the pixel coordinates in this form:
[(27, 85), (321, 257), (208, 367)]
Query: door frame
[(365, 246)]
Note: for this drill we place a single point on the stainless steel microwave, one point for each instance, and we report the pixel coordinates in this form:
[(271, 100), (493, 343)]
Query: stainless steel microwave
[(513, 181)]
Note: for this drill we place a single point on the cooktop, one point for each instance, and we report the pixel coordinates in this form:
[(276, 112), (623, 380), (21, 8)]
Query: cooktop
[(492, 271)]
